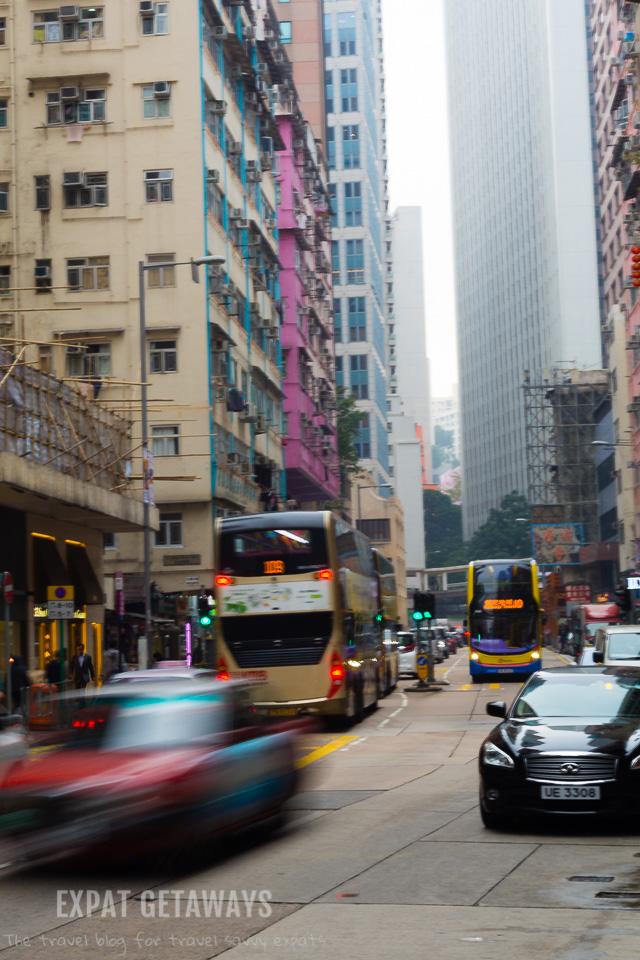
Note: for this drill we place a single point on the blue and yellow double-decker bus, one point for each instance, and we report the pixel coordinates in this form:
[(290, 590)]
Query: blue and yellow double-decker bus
[(504, 618)]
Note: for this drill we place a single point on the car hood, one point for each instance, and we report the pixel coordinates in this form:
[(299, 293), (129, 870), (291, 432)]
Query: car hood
[(584, 735)]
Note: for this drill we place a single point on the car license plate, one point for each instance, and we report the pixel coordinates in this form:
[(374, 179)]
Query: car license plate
[(549, 792), (283, 712)]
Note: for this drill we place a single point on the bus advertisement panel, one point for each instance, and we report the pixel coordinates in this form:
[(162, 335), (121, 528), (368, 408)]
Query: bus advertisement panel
[(297, 603), (504, 618)]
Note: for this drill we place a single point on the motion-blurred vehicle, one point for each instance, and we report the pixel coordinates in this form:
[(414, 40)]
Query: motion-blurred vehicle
[(452, 640), (162, 675), (569, 744), (147, 767), (442, 643)]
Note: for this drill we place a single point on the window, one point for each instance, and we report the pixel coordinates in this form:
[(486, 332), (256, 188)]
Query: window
[(331, 148), (335, 260), (215, 203), (351, 146), (333, 203), (161, 276), (108, 541), (170, 531), (156, 100), (328, 86), (285, 31), (163, 355), (359, 376), (43, 193), (347, 34), (3, 31), (49, 28), (349, 89), (213, 119), (88, 273), (92, 192), (355, 261), (4, 198), (5, 281), (72, 105), (158, 186), (155, 21), (353, 204), (42, 276), (327, 35), (92, 360), (165, 440), (4, 113), (357, 319), (337, 321)]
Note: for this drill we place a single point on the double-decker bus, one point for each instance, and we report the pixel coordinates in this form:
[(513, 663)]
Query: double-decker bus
[(297, 606), (387, 622), (503, 600)]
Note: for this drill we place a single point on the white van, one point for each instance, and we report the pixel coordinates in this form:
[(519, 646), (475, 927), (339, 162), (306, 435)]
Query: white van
[(617, 646)]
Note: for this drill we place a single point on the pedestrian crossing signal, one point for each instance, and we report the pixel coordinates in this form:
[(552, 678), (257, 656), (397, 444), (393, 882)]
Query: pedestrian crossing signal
[(204, 610), (424, 605)]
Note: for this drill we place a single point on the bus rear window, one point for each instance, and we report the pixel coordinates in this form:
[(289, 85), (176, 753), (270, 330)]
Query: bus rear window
[(257, 553)]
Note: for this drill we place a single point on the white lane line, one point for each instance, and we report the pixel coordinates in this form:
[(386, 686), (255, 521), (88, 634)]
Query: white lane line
[(459, 660), (382, 722), (395, 713)]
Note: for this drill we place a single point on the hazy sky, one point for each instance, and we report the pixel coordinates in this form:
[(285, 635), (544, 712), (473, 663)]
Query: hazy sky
[(418, 149)]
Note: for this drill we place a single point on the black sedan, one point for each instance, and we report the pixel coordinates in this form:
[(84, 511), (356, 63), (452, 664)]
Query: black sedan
[(569, 744)]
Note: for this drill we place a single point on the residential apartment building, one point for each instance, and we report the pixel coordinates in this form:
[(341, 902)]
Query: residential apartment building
[(445, 413), (133, 139), (522, 181), (363, 288)]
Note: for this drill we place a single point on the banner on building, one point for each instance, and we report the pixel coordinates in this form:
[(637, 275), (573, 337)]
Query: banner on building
[(147, 476), (577, 593), (557, 543)]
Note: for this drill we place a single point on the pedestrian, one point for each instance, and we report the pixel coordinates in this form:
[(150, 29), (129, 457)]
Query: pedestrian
[(81, 668), (19, 682), (53, 672), (111, 662), (564, 630)]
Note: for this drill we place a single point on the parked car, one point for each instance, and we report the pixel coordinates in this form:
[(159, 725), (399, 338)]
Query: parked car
[(617, 645), (407, 652), (147, 767), (569, 744)]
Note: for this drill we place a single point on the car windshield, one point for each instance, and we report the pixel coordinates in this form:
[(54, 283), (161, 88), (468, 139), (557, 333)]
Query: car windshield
[(624, 646), (601, 696)]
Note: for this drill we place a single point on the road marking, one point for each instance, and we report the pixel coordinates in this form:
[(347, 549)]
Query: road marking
[(405, 698), (466, 686), (395, 713), (494, 686), (323, 751), (382, 722)]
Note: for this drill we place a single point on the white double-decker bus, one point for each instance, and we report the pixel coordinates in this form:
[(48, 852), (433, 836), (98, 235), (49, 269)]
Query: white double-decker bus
[(297, 600)]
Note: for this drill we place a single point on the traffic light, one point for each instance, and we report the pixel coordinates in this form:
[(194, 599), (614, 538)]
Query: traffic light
[(424, 606), (204, 610), (623, 598)]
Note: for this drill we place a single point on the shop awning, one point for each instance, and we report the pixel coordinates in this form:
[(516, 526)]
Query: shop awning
[(88, 588), (49, 569)]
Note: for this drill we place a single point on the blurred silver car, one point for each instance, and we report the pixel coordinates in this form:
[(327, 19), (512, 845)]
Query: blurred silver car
[(407, 651)]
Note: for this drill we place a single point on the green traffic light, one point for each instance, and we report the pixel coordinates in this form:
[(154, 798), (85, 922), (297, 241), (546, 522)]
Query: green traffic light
[(427, 616), (417, 615), (205, 621)]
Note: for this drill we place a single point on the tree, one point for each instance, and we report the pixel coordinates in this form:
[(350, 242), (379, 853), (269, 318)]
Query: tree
[(442, 530), (506, 532), (349, 419), (443, 438)]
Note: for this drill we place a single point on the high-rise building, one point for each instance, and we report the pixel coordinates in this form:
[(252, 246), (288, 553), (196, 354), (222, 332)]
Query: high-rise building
[(525, 246), (143, 134), (361, 257)]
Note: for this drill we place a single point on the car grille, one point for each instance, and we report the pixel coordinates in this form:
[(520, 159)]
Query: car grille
[(562, 768)]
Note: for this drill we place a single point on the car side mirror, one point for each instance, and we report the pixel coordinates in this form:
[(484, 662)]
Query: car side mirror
[(598, 656), (497, 708)]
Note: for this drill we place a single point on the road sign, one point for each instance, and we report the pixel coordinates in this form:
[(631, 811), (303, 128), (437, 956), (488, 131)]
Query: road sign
[(422, 666), (60, 592), (192, 581), (60, 609), (633, 583), (7, 587)]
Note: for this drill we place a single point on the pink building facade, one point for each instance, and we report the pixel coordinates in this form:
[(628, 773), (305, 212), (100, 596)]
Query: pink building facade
[(311, 463)]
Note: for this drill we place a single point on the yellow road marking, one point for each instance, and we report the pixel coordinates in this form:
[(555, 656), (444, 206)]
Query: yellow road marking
[(494, 686), (466, 686), (323, 751)]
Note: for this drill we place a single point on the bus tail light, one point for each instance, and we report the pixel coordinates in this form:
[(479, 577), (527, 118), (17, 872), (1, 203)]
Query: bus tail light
[(224, 581), (336, 672), (324, 575), (223, 670)]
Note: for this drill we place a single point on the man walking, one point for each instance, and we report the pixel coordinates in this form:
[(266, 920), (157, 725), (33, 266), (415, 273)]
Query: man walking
[(81, 668)]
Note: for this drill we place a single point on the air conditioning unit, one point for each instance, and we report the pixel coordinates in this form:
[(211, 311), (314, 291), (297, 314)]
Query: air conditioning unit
[(234, 147), (250, 414), (254, 176), (279, 58), (233, 308), (261, 424), (162, 89), (146, 8), (273, 94), (249, 33), (253, 164), (271, 332), (266, 161), (235, 71), (271, 223), (68, 13), (233, 457), (73, 179), (213, 176), (629, 217), (69, 93), (273, 44), (246, 468), (262, 67), (235, 213), (269, 34), (73, 350), (220, 33), (228, 290), (43, 272)]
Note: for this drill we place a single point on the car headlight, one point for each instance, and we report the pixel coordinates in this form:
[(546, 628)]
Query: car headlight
[(494, 756), (635, 763)]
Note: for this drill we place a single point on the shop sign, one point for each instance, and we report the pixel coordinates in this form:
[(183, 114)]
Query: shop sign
[(577, 593)]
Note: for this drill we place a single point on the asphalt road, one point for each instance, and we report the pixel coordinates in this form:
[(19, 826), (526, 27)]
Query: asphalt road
[(383, 856)]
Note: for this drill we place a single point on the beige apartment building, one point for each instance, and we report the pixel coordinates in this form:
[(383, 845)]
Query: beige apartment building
[(140, 132)]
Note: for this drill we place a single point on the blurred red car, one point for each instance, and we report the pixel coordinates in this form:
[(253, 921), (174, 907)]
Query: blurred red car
[(149, 766)]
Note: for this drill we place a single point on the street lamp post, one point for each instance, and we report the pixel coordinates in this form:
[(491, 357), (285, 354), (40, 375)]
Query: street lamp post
[(370, 486), (142, 268)]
